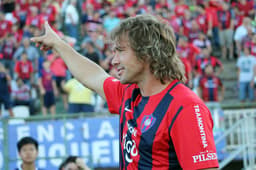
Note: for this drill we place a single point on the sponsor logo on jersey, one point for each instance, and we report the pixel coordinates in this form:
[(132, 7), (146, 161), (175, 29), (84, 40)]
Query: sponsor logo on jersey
[(147, 122), (204, 156), (130, 149), (200, 125), (127, 109)]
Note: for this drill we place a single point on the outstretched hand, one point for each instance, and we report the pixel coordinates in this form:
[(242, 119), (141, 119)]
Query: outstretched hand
[(48, 40)]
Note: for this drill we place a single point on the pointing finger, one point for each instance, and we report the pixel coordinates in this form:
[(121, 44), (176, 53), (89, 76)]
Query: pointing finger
[(37, 39)]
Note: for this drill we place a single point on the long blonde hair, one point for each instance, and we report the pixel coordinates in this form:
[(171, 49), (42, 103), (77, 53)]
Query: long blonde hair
[(153, 41)]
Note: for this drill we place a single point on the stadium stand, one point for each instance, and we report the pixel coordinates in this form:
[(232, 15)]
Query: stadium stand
[(93, 20)]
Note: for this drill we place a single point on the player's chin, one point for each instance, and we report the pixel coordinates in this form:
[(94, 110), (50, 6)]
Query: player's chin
[(123, 80)]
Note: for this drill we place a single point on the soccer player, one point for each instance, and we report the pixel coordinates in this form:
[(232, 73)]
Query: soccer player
[(28, 152), (163, 124)]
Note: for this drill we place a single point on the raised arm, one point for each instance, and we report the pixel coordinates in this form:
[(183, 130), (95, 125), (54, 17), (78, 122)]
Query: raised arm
[(84, 70)]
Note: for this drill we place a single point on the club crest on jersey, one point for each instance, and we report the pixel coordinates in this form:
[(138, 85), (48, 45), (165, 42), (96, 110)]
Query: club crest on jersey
[(147, 122)]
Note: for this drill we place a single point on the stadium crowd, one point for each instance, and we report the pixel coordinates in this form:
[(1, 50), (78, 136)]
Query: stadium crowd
[(207, 32)]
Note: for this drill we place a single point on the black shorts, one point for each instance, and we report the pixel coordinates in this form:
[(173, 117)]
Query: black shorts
[(6, 100), (49, 99), (58, 80)]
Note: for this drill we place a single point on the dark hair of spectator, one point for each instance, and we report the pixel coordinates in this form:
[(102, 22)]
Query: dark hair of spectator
[(25, 141)]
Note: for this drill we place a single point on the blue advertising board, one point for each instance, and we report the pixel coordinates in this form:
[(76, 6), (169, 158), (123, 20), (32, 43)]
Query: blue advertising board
[(94, 139)]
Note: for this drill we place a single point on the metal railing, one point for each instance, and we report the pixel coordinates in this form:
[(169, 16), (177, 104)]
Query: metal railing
[(240, 137), (239, 133)]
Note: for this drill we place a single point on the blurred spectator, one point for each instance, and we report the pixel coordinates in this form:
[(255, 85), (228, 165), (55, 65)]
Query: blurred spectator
[(20, 13), (34, 18), (206, 58), (202, 42), (80, 98), (194, 31), (209, 86), (181, 8), (248, 37), (48, 89), (31, 51), (17, 34), (106, 62), (5, 26), (95, 36), (237, 15), (49, 11), (24, 69), (226, 27), (186, 23), (211, 8), (72, 19), (187, 50), (28, 151), (73, 163), (241, 32), (110, 21), (59, 70), (91, 52), (203, 59), (5, 97), (252, 45), (246, 7), (8, 48), (203, 20), (188, 72), (21, 95), (246, 65)]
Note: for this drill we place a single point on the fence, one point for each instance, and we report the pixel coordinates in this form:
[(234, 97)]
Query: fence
[(91, 136), (95, 138), (239, 135)]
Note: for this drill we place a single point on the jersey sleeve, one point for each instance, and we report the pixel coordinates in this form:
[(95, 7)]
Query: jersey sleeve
[(193, 139), (113, 90)]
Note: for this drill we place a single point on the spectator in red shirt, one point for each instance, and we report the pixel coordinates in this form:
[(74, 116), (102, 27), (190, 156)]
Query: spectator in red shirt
[(188, 72), (187, 50), (7, 50), (202, 42), (24, 5), (194, 31), (246, 7), (186, 23), (238, 16), (181, 8), (48, 89), (22, 95), (204, 59), (211, 8), (252, 45), (20, 14), (59, 69), (24, 69), (34, 18), (203, 19), (209, 86), (226, 30), (49, 12)]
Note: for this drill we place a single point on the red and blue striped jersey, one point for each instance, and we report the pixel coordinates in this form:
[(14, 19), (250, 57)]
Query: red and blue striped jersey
[(210, 86), (168, 130)]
